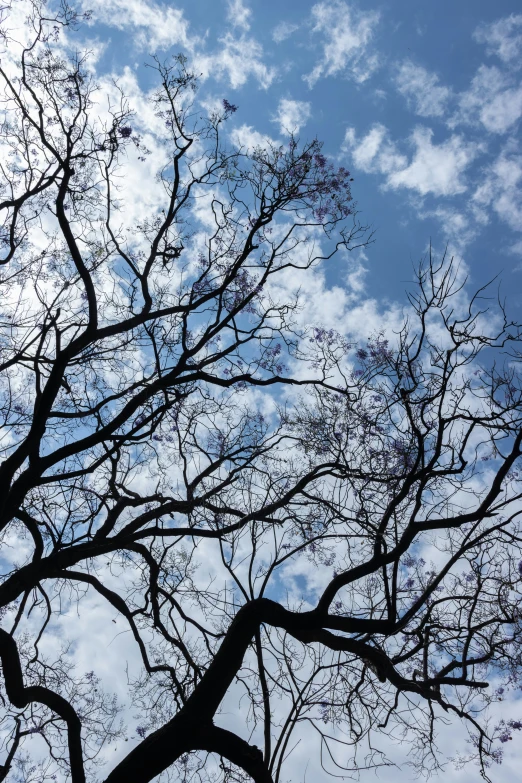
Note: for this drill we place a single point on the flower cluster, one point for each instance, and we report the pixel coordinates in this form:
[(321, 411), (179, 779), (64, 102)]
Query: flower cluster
[(307, 176), (229, 107), (270, 359), (323, 711), (332, 195), (506, 729), (376, 353), (242, 287)]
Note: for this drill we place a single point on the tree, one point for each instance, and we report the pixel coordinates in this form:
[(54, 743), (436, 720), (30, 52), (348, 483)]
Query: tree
[(137, 437)]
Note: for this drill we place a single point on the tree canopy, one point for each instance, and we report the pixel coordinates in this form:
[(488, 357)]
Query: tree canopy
[(177, 443)]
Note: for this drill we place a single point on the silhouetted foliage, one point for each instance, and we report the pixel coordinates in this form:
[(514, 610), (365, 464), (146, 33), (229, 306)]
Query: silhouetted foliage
[(139, 441)]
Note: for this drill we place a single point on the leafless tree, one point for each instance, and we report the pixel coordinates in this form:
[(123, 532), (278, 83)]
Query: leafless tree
[(137, 437)]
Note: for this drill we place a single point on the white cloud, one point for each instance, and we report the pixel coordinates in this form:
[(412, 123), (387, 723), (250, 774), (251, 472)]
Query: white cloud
[(292, 115), (238, 14), (238, 60), (501, 188), (516, 249), (160, 26), (434, 168), (457, 227), (346, 35), (343, 308), (375, 153), (249, 139), (157, 26), (503, 38), (356, 275), (492, 100), (283, 30), (421, 88)]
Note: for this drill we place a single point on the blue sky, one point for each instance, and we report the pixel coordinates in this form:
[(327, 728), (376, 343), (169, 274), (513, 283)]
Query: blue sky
[(422, 101)]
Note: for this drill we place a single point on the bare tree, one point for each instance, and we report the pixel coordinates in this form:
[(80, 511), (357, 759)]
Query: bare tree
[(136, 437)]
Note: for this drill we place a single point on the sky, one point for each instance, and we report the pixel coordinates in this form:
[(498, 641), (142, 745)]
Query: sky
[(422, 101)]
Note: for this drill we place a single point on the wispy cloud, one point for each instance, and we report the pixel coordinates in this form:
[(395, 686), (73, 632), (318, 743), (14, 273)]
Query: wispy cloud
[(284, 30), (155, 26), (239, 14), (292, 115), (501, 187), (346, 34), (422, 89), (436, 169), (493, 99), (247, 138), (236, 59), (503, 38)]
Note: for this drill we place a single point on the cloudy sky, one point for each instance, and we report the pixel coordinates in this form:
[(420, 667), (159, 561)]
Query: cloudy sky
[(420, 100)]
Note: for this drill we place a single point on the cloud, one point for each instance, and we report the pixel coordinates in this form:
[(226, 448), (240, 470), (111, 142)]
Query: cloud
[(491, 100), (516, 249), (434, 168), (421, 88), (283, 30), (375, 153), (238, 14), (494, 98), (503, 38), (249, 139), (238, 60), (501, 188), (157, 26), (457, 227), (292, 115), (346, 35)]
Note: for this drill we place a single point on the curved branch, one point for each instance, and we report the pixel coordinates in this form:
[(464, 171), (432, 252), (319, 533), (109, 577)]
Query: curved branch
[(21, 696)]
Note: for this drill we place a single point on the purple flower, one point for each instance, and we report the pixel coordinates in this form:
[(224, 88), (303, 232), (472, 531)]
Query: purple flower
[(323, 706), (229, 107)]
